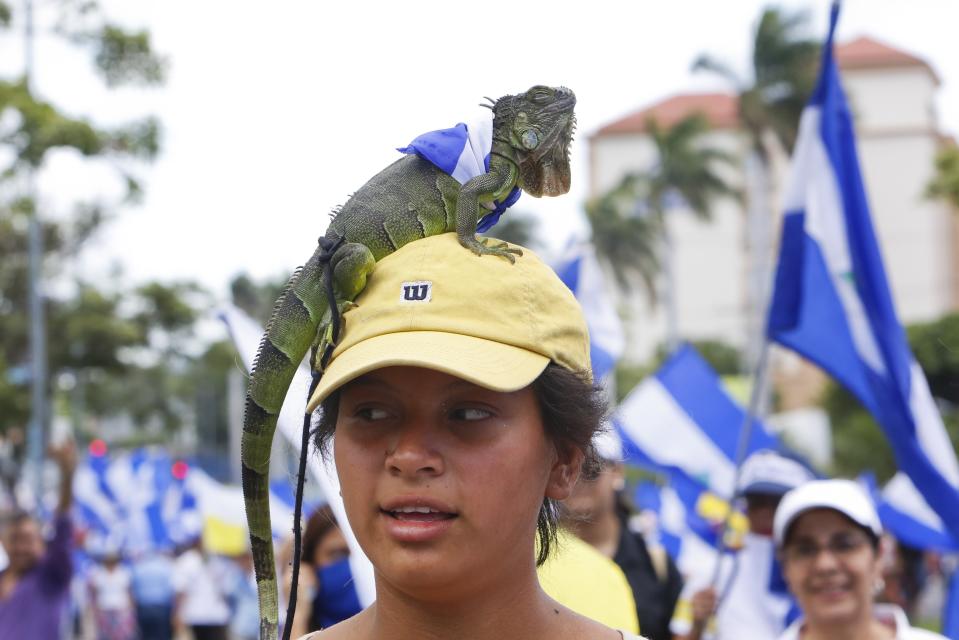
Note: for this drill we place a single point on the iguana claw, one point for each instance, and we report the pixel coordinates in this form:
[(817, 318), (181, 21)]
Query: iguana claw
[(481, 248)]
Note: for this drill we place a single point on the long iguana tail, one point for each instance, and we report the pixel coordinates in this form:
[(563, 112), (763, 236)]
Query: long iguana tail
[(289, 335)]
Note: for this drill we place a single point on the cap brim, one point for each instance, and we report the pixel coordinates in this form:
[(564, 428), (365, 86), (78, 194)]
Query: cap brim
[(764, 488), (489, 364)]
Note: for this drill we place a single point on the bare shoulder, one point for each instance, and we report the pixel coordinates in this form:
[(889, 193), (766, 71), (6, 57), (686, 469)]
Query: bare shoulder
[(579, 627), (350, 629)]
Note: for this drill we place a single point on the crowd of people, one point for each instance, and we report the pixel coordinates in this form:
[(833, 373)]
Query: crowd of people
[(463, 443)]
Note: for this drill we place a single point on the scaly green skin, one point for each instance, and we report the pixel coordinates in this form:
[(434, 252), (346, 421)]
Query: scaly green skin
[(409, 200)]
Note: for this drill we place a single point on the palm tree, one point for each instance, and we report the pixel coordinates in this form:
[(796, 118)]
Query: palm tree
[(784, 65), (629, 222), (783, 75), (625, 236)]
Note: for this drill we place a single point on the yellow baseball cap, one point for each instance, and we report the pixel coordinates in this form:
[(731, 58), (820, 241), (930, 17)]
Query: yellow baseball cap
[(434, 304)]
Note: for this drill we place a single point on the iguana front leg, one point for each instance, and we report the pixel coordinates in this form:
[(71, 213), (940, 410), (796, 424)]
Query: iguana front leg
[(488, 187)]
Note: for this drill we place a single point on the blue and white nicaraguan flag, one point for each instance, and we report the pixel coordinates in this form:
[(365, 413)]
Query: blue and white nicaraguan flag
[(579, 270), (124, 501), (463, 152), (682, 417), (832, 303)]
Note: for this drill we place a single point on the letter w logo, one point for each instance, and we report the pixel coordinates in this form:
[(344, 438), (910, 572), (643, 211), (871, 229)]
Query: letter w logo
[(413, 292)]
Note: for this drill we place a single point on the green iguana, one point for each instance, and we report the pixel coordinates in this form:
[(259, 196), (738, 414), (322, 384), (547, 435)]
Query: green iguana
[(408, 200)]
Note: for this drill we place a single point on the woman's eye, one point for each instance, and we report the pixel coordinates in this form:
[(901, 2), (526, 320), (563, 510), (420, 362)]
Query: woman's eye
[(470, 413), (371, 413)]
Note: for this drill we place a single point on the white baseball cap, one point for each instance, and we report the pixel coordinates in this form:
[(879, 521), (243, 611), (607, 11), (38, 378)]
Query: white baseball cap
[(844, 496), (770, 473)]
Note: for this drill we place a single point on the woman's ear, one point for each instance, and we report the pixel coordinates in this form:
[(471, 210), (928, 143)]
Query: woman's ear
[(565, 472)]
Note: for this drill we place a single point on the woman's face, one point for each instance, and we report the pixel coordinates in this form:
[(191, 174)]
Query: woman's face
[(442, 480), (831, 567), (593, 499), (331, 548)]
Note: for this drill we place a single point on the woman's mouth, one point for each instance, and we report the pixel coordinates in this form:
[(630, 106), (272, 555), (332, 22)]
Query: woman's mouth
[(419, 514), (830, 591), (416, 522)]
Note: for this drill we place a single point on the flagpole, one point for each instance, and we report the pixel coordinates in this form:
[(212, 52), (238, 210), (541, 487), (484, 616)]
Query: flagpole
[(742, 448)]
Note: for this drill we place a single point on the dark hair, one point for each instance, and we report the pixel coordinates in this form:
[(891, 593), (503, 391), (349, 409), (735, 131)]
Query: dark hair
[(320, 523), (17, 518), (572, 410)]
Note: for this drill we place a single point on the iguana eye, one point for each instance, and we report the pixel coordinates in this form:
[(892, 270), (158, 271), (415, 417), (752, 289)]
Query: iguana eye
[(530, 139), (540, 94)]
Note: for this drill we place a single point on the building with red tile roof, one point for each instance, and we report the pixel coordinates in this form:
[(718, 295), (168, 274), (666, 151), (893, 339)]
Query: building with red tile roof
[(892, 95)]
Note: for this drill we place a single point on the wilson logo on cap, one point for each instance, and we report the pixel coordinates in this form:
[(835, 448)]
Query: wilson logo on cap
[(416, 292)]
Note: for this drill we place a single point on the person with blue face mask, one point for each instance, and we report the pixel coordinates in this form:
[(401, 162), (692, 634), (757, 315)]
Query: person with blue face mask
[(326, 594)]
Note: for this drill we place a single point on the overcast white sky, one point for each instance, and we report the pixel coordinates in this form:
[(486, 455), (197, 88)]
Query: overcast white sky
[(275, 112)]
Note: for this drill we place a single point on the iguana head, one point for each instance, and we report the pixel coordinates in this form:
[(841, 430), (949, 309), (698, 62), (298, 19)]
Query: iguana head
[(538, 125)]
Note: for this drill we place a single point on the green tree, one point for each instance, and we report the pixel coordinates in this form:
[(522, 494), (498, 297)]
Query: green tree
[(629, 223), (625, 235), (945, 184), (88, 330), (783, 74), (256, 299), (770, 101)]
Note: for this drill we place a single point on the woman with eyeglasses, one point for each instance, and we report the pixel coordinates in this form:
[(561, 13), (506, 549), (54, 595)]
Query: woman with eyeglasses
[(827, 533)]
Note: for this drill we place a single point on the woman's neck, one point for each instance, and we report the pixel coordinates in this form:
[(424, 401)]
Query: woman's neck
[(601, 532), (861, 629), (513, 608)]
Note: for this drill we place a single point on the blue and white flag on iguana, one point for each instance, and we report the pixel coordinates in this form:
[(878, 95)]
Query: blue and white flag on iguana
[(832, 303), (463, 152)]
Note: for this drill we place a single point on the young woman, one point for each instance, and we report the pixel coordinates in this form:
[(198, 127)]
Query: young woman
[(458, 416), (827, 532)]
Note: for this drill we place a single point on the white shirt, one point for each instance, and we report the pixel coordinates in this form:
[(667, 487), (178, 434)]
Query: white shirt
[(888, 614), (111, 589), (203, 601), (749, 610)]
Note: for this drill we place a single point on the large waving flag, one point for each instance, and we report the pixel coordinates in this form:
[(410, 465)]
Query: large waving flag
[(681, 417), (579, 270), (832, 302), (910, 520)]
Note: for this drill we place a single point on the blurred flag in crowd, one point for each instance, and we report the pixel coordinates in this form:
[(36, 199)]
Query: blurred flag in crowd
[(144, 500), (686, 519), (580, 271), (682, 417), (133, 501), (832, 303)]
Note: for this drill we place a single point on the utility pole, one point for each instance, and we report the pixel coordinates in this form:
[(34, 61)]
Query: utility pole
[(38, 346)]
